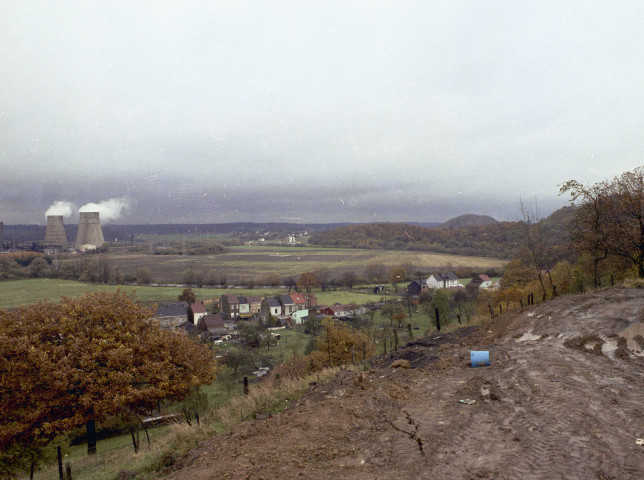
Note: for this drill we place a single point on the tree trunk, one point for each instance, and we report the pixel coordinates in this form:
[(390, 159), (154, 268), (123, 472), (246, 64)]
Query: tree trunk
[(134, 444), (90, 427)]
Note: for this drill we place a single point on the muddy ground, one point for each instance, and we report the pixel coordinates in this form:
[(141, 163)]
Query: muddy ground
[(562, 399)]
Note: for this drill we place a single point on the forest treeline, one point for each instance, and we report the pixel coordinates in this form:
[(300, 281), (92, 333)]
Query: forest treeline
[(501, 240)]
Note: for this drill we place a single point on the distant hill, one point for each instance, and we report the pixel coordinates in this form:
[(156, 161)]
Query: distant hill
[(500, 240), (495, 239), (469, 220)]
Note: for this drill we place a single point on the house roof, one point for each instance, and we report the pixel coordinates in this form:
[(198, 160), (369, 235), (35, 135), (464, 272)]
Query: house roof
[(286, 300), (335, 308), (242, 299), (197, 308), (186, 327), (232, 298), (213, 320), (437, 276), (478, 280), (450, 276), (273, 302), (254, 299), (298, 298), (175, 309)]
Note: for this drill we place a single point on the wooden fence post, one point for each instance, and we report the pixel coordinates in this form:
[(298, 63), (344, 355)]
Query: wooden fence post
[(59, 451)]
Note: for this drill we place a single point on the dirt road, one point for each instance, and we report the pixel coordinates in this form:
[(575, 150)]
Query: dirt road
[(562, 399)]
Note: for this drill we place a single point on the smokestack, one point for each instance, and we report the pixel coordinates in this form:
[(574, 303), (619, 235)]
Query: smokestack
[(1, 234), (55, 235), (89, 235)]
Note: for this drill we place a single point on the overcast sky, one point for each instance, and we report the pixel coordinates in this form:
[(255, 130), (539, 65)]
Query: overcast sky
[(314, 111)]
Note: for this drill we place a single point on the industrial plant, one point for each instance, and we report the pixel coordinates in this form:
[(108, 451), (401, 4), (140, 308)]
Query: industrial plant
[(88, 237), (90, 234)]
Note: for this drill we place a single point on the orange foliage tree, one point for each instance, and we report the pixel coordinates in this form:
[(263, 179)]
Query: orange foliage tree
[(341, 344), (67, 364)]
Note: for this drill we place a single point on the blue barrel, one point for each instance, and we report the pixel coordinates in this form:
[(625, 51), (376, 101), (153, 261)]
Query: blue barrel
[(480, 358)]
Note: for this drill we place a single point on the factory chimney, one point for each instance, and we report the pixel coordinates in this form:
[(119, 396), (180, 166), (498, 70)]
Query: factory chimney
[(55, 236), (90, 235), (1, 234)]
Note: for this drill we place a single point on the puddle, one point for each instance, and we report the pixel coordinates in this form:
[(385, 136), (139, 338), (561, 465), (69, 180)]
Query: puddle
[(609, 346), (629, 334)]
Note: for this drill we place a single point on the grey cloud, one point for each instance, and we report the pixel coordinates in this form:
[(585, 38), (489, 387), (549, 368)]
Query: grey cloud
[(332, 110)]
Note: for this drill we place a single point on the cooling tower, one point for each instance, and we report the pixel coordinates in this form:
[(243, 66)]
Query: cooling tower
[(55, 235), (89, 234)]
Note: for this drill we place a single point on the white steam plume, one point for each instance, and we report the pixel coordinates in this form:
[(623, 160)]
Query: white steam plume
[(108, 210), (61, 207)]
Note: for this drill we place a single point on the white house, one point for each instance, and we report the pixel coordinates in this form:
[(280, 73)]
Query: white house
[(443, 280)]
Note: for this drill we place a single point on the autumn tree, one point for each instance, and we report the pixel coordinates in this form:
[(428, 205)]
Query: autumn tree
[(324, 277), (143, 275), (187, 295), (459, 303), (397, 275), (375, 271), (72, 363), (440, 303), (609, 217), (290, 283), (409, 304), (390, 310), (589, 226), (273, 280), (349, 279), (38, 268), (308, 281), (340, 344), (625, 206)]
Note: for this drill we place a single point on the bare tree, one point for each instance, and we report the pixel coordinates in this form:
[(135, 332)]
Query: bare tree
[(534, 239)]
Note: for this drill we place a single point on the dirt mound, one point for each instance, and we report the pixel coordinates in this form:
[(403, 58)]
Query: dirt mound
[(562, 398)]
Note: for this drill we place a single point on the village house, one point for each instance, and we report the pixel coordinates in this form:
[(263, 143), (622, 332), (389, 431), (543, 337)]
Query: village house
[(255, 302), (230, 305), (195, 312), (213, 326), (170, 315), (244, 307), (271, 306), (443, 280), (288, 305), (416, 287), (298, 317), (300, 301), (188, 328), (481, 281), (342, 311)]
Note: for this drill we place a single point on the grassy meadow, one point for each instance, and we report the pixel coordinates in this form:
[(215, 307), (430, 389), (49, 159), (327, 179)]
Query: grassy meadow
[(14, 293)]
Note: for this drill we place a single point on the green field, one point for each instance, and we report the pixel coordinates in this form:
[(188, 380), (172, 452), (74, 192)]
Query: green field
[(15, 293)]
